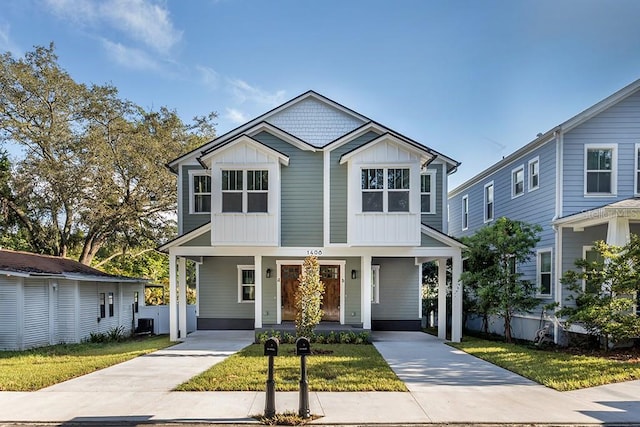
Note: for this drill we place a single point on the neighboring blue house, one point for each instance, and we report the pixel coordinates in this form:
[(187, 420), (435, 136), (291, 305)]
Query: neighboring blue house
[(312, 177), (580, 181)]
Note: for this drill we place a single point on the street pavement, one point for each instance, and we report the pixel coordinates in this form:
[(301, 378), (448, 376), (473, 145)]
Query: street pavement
[(446, 386)]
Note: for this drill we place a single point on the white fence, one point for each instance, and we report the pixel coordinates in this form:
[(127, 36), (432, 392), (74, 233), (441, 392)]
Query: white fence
[(160, 316)]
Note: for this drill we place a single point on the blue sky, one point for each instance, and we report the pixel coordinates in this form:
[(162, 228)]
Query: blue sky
[(473, 79)]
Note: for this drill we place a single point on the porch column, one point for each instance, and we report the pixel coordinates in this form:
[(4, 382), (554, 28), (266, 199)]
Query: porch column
[(257, 265), (365, 285), (618, 231), (173, 294), (456, 298), (442, 299), (182, 298)]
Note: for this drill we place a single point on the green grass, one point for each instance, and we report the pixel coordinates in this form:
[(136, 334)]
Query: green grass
[(38, 368), (556, 369), (347, 368)]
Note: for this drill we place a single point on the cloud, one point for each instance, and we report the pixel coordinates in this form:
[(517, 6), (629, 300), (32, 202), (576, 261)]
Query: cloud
[(142, 21), (236, 116), (208, 76), (6, 45), (244, 92), (130, 57)]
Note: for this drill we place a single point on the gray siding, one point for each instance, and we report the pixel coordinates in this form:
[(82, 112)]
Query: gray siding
[(352, 293), (8, 311), (190, 221), (430, 242), (619, 124), (36, 313), (338, 185), (202, 240), (269, 291), (219, 289), (301, 194), (398, 292), (435, 220)]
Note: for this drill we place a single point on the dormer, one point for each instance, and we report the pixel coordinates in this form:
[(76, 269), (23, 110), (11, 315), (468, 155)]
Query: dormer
[(245, 192)]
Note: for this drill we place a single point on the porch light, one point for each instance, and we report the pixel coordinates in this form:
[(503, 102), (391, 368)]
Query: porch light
[(354, 274), (268, 273)]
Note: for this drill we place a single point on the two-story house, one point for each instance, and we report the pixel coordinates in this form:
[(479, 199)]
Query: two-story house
[(580, 181), (312, 177)]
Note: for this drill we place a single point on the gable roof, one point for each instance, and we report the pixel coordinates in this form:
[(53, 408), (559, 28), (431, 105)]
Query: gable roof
[(27, 264), (419, 149), (548, 136), (283, 158)]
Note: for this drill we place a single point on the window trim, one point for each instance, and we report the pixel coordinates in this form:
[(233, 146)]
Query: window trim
[(192, 194), (465, 212), (514, 173), (539, 272), (102, 304), (136, 302), (636, 190), (245, 190), (111, 303), (385, 190), (375, 284), (432, 192), (614, 168), (241, 268), (493, 202), (531, 187)]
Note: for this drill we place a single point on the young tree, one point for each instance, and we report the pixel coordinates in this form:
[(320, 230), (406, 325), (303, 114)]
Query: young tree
[(308, 298), (605, 305), (492, 256)]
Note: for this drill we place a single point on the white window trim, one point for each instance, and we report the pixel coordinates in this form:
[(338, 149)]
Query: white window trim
[(240, 284), (530, 186), (245, 191), (375, 284), (539, 272), (614, 169), (385, 190), (513, 183), (432, 192), (465, 212), (484, 206), (193, 173), (636, 190)]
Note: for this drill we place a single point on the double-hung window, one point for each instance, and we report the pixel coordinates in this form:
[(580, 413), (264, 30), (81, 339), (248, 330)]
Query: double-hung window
[(103, 312), (427, 193), (488, 202), (200, 192), (111, 304), (517, 182), (385, 190), (465, 212), (534, 174), (544, 272), (600, 169), (245, 191), (246, 283)]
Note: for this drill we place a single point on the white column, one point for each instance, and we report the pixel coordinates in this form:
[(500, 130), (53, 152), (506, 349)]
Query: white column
[(456, 299), (618, 231), (442, 299), (257, 265), (365, 287), (173, 296), (182, 298)]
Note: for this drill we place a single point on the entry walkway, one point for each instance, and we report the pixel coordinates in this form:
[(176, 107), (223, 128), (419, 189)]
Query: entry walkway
[(446, 386)]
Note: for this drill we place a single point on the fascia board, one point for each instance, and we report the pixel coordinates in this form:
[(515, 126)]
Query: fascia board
[(424, 153), (178, 241), (284, 159)]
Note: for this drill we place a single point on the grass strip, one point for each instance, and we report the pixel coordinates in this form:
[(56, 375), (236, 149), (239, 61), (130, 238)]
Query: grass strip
[(553, 368), (38, 368), (336, 367)]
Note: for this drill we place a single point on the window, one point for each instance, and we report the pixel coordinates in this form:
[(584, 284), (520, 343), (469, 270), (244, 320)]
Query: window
[(200, 192), (375, 284), (637, 180), (513, 266), (238, 197), (246, 283), (488, 202), (110, 304), (465, 212), (135, 302), (592, 256), (374, 190), (534, 174), (102, 306), (517, 182), (600, 170), (427, 193), (544, 272)]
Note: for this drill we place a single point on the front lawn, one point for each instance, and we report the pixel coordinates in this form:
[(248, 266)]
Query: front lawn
[(335, 367), (557, 369), (38, 368)]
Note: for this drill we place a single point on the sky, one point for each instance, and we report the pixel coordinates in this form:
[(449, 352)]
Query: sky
[(473, 79)]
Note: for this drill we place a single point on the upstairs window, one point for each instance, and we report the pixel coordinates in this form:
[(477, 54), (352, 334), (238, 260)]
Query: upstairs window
[(427, 193), (544, 273), (250, 198), (488, 202), (600, 170), (380, 194), (465, 212), (534, 174), (517, 182), (200, 192)]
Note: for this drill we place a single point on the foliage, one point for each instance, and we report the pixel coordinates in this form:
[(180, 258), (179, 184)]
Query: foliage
[(93, 174), (343, 337), (38, 368), (308, 298), (336, 367), (491, 278), (287, 418), (605, 306), (115, 334), (556, 369)]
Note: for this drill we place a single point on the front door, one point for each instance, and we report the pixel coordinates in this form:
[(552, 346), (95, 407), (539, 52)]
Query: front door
[(289, 281), (329, 275)]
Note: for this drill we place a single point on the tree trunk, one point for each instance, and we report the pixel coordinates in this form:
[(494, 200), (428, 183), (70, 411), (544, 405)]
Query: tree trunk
[(507, 328)]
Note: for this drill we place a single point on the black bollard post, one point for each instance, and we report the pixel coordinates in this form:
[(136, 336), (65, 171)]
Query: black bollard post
[(303, 349), (271, 350)]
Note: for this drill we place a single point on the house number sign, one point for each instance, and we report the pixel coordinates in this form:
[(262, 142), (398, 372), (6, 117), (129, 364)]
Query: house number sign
[(314, 252)]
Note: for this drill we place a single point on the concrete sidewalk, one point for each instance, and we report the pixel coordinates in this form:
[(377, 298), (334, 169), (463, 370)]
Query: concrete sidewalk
[(446, 386)]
